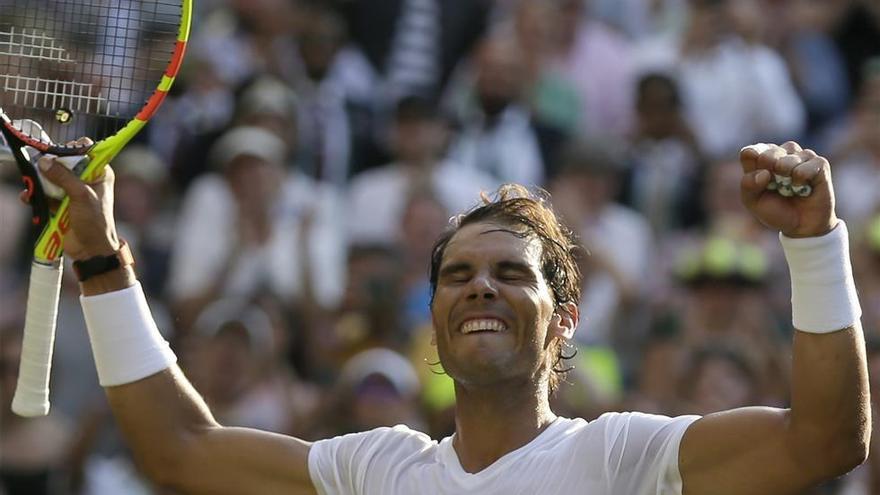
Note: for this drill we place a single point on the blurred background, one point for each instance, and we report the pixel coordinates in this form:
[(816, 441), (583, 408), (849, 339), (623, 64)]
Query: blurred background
[(283, 204)]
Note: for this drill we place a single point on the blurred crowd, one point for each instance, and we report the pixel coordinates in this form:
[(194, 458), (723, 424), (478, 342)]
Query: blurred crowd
[(283, 204)]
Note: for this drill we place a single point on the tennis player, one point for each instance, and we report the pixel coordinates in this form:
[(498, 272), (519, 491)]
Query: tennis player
[(505, 299)]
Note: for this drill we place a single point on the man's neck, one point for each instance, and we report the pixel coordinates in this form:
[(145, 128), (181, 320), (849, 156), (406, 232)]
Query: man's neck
[(491, 422)]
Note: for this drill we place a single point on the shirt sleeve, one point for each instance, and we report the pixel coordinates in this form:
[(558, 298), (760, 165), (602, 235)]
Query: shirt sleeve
[(641, 452), (361, 463)]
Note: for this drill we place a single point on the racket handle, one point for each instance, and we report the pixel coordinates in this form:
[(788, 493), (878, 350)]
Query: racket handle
[(32, 391)]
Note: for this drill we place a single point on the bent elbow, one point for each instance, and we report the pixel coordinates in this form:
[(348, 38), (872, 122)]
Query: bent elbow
[(842, 455), (168, 468), (851, 454)]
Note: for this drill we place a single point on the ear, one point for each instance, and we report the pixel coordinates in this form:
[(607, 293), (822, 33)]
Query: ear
[(564, 321)]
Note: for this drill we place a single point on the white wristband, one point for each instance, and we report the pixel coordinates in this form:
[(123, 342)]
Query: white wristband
[(823, 293), (125, 340)]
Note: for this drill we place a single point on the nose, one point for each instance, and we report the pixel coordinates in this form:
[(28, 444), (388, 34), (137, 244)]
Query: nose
[(481, 287)]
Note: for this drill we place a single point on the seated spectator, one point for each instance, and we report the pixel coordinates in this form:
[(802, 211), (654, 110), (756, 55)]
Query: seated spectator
[(367, 316), (498, 135), (598, 61), (718, 379), (733, 92), (250, 228), (235, 365), (807, 43), (857, 171), (269, 103), (618, 239), (143, 212), (333, 121), (377, 197), (424, 220), (377, 387), (413, 46), (664, 182), (552, 97)]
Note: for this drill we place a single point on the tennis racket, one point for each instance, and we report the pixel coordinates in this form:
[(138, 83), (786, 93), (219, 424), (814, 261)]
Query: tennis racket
[(71, 68)]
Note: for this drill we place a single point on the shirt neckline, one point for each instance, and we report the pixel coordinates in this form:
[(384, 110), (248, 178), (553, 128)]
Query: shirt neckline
[(449, 456)]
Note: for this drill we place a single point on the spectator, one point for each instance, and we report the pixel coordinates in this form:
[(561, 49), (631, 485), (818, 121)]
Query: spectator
[(552, 97), (419, 138), (144, 212), (807, 43), (241, 231), (667, 159), (618, 239), (857, 34), (376, 387), (236, 365), (599, 62), (734, 92), (498, 134), (413, 46), (333, 119), (857, 170), (719, 379)]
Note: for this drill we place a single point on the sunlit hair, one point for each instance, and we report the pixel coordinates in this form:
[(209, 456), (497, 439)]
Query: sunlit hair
[(528, 213)]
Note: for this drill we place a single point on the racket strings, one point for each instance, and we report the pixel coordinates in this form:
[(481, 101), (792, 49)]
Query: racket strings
[(83, 67)]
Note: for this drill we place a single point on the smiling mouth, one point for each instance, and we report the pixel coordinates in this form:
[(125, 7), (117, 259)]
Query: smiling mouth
[(483, 325)]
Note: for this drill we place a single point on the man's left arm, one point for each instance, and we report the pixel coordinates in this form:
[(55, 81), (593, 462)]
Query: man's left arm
[(825, 433)]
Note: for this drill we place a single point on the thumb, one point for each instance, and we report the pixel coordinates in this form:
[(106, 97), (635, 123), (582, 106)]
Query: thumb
[(61, 176), (754, 184)]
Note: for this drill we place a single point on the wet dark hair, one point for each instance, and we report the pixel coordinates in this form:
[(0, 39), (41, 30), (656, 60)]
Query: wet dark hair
[(530, 215)]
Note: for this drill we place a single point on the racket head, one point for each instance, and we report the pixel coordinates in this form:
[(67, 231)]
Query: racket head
[(97, 68), (86, 67)]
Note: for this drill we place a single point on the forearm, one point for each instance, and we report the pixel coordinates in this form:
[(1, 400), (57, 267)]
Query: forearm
[(157, 408), (830, 406), (158, 416), (830, 413)]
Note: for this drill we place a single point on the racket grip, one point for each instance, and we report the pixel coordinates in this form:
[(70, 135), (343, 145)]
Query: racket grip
[(32, 390)]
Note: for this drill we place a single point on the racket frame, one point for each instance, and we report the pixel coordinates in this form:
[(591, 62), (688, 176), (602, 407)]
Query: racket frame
[(31, 399)]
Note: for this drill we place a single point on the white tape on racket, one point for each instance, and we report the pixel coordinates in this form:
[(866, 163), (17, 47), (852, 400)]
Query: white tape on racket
[(32, 391), (780, 183), (74, 163)]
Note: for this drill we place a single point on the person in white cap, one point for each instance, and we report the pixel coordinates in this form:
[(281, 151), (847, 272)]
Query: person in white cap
[(241, 231), (505, 298)]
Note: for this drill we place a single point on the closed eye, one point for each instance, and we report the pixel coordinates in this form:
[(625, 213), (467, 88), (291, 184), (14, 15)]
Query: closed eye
[(455, 273), (514, 271)]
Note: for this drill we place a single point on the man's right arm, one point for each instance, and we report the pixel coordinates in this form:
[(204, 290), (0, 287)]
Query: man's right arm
[(166, 423), (179, 444)]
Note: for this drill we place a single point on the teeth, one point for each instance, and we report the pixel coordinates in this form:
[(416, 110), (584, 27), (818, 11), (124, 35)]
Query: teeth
[(490, 324)]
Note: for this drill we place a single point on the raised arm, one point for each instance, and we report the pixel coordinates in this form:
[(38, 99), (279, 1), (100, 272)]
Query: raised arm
[(168, 426), (826, 431)]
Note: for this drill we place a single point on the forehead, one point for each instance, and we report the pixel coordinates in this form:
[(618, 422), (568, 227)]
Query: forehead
[(492, 242)]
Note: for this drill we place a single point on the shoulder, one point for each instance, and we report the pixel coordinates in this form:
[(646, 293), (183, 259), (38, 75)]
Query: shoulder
[(400, 439), (647, 429), (353, 460)]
